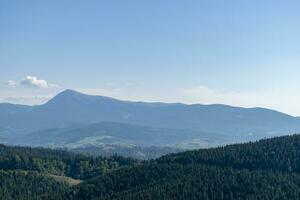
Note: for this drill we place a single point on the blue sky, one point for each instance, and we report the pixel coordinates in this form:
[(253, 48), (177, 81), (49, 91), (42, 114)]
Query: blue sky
[(243, 53)]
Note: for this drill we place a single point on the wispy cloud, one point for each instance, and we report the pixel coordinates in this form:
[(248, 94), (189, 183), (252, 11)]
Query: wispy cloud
[(28, 99), (206, 95), (12, 83), (285, 100), (282, 100), (119, 93)]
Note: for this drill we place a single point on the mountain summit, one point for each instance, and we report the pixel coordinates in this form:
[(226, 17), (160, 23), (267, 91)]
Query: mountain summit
[(73, 97)]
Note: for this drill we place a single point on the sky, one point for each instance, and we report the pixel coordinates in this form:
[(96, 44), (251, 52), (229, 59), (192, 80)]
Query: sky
[(241, 53)]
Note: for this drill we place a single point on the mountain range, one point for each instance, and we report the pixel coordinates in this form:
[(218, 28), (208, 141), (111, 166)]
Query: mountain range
[(75, 120)]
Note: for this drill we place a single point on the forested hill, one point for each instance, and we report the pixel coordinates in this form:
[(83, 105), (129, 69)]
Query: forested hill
[(268, 169), (58, 162), (281, 153), (37, 173)]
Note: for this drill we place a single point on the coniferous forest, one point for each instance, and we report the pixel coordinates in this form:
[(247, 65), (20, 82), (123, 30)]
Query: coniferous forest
[(267, 169)]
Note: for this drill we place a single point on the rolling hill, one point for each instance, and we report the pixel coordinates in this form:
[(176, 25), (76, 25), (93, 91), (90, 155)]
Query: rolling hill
[(112, 133)]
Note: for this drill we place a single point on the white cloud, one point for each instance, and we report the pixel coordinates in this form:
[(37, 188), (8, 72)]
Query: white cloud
[(12, 83), (33, 81)]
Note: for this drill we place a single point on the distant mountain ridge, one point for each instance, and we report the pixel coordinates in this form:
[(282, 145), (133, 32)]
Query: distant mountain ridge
[(72, 110), (71, 107)]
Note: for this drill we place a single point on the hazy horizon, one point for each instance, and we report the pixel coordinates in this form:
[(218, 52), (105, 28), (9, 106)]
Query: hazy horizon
[(46, 99)]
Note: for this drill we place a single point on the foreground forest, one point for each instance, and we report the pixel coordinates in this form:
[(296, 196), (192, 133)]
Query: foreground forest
[(267, 169)]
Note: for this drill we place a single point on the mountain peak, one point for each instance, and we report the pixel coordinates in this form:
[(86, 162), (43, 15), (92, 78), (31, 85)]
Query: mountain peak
[(68, 96), (69, 92)]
